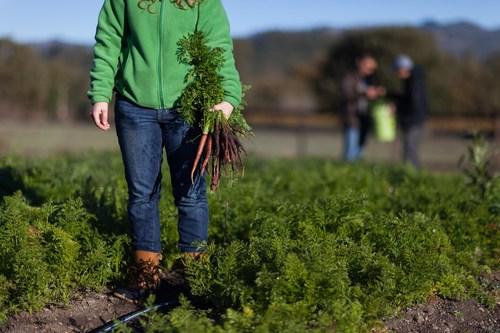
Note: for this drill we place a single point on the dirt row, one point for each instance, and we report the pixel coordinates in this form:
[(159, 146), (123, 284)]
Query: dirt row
[(87, 311)]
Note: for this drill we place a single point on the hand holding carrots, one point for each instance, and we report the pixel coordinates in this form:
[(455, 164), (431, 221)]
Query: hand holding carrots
[(226, 108)]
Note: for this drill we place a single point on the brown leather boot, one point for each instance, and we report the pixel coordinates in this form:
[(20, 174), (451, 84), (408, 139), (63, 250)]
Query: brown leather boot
[(146, 271), (144, 277)]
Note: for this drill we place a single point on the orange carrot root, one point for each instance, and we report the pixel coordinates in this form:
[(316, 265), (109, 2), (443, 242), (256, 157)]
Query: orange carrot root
[(208, 154), (201, 146)]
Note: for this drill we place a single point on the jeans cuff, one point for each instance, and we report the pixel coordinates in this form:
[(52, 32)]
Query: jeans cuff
[(156, 249), (192, 249)]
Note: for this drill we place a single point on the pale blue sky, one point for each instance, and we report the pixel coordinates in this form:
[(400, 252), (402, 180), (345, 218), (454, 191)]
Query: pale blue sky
[(35, 20)]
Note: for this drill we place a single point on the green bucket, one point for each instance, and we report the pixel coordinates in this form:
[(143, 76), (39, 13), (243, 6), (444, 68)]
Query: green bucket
[(384, 121)]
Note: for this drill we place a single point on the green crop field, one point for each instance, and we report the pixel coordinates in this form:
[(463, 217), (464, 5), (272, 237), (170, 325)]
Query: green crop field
[(296, 245)]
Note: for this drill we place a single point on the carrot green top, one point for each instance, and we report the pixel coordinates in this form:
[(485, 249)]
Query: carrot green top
[(136, 46)]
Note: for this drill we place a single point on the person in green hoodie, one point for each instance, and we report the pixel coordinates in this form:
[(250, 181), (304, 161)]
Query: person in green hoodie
[(135, 56)]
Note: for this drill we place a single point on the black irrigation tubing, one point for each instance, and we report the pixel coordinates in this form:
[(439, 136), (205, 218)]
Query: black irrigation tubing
[(113, 324)]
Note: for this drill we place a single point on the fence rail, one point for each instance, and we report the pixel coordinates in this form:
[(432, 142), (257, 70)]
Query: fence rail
[(328, 121)]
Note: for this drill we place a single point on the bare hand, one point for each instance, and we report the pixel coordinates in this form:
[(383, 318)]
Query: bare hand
[(375, 92), (226, 108), (393, 108), (382, 91), (372, 93), (99, 115)]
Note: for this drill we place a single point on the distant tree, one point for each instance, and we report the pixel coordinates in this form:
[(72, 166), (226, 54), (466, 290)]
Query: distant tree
[(42, 82), (21, 75), (490, 86)]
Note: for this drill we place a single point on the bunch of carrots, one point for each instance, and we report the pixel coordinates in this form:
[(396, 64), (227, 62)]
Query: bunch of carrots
[(220, 146)]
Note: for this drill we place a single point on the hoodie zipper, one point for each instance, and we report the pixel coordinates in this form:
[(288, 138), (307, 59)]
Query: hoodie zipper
[(160, 56)]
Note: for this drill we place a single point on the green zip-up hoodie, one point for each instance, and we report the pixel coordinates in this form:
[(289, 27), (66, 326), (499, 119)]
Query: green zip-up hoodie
[(136, 45)]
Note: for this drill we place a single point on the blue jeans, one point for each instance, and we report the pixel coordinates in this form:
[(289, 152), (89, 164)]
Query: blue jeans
[(412, 135), (352, 147), (143, 133)]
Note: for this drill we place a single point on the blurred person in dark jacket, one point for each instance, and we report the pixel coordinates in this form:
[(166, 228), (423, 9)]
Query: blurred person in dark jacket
[(411, 105), (357, 91)]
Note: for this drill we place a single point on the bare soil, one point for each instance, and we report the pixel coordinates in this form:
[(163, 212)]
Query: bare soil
[(88, 311), (84, 312), (447, 316)]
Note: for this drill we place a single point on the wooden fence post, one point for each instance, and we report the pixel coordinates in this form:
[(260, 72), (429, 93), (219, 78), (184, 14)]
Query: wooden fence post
[(496, 143), (496, 120)]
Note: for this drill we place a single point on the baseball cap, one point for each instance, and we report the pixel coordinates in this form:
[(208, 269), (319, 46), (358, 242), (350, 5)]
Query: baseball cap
[(403, 61)]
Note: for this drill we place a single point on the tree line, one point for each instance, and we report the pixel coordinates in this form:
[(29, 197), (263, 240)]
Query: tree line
[(289, 72)]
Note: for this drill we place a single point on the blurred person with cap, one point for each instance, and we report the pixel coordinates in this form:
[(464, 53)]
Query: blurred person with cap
[(357, 91), (411, 105)]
